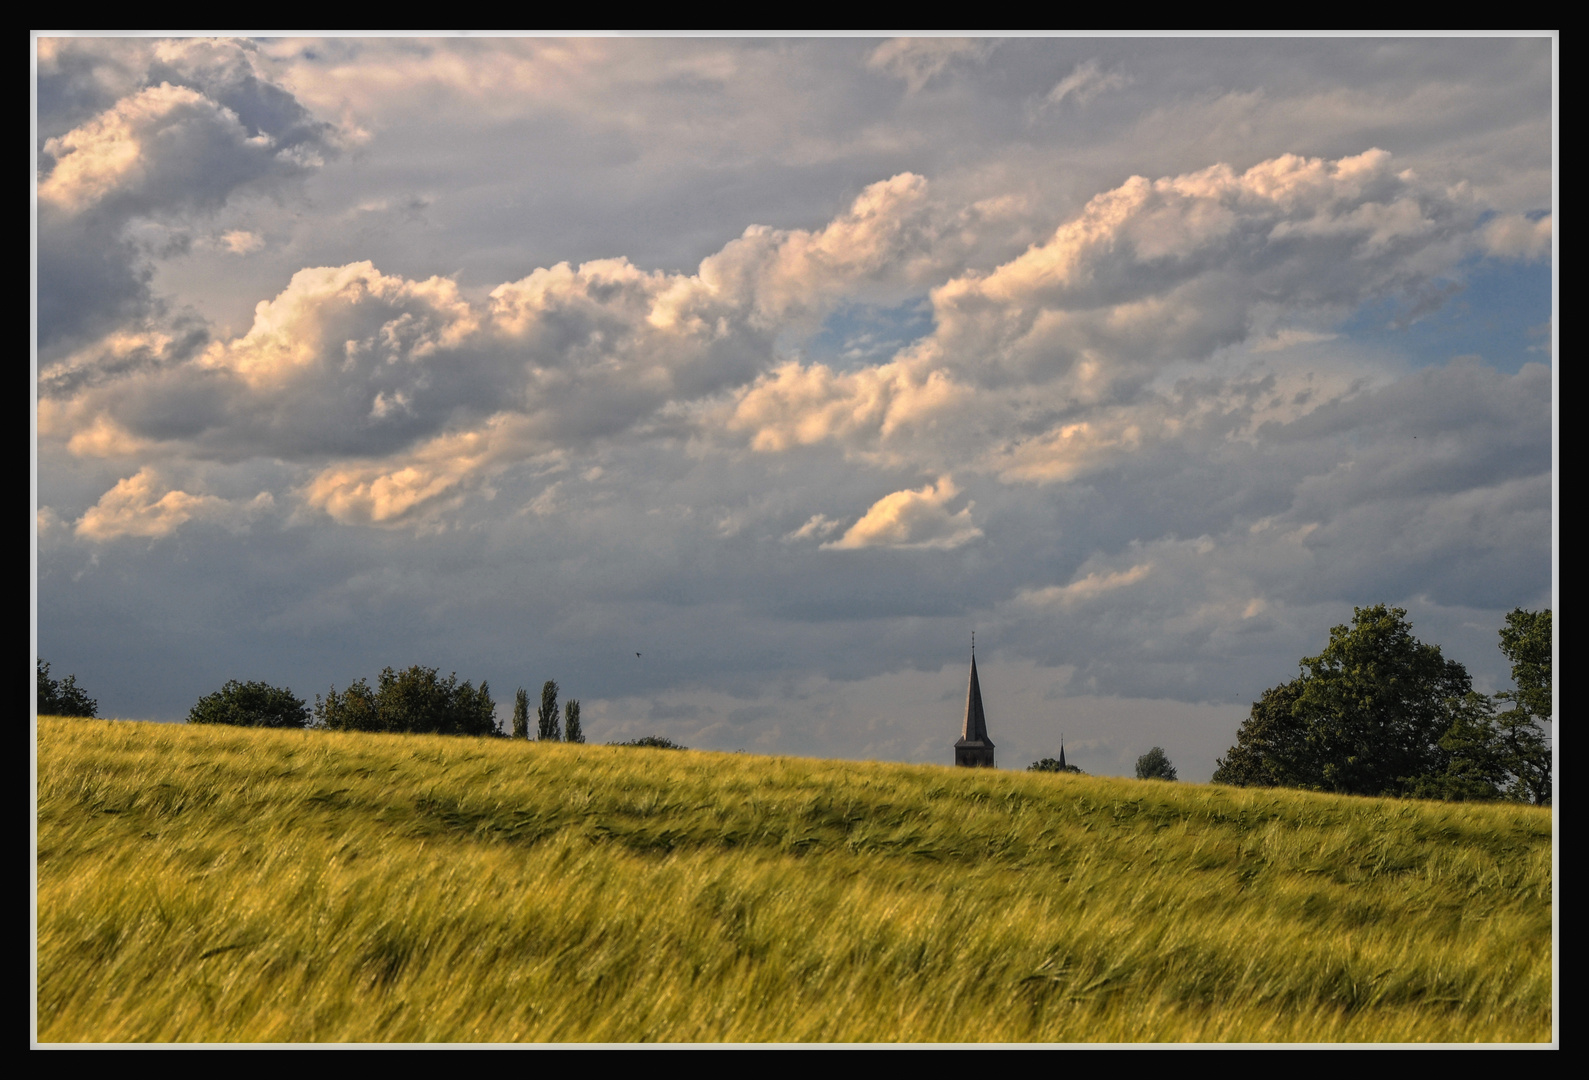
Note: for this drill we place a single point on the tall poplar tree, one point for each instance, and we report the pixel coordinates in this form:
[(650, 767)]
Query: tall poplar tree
[(547, 714), (521, 714), (572, 732)]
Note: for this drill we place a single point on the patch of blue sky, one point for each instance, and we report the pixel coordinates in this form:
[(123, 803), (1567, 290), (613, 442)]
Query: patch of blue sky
[(1496, 310), (861, 335)]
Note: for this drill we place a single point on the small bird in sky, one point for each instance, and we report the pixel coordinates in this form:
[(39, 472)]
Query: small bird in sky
[(637, 654)]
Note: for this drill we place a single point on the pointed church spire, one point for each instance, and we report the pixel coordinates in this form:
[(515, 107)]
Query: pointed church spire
[(974, 746), (1062, 753)]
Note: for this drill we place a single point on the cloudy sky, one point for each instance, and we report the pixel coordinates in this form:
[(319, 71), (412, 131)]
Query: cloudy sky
[(734, 383)]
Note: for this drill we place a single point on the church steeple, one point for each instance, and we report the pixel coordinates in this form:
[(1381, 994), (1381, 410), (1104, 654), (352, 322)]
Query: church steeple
[(974, 747)]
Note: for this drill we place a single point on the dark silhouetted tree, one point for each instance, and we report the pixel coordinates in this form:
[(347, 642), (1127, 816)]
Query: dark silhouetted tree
[(1049, 764), (1474, 766), (415, 700), (1269, 742), (546, 716), (572, 732), (1379, 712), (655, 742), (1155, 765), (62, 697), (521, 714), (251, 704), (1526, 642), (1505, 753)]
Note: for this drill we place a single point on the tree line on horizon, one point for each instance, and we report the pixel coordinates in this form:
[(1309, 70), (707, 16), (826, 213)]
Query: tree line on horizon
[(1378, 712), (416, 700)]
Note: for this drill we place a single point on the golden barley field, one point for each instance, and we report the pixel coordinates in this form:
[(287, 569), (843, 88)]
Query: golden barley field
[(239, 885)]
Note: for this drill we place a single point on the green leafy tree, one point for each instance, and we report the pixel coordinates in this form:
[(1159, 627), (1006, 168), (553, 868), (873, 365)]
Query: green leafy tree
[(355, 709), (546, 716), (251, 704), (1270, 748), (1049, 764), (414, 700), (1155, 765), (521, 714), (1526, 642), (1366, 716), (1380, 713), (1524, 748), (62, 697), (1376, 703), (572, 732), (1475, 767)]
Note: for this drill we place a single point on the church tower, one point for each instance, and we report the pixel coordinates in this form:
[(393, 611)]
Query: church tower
[(974, 747)]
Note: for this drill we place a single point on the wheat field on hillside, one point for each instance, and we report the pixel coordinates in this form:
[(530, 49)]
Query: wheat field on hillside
[(241, 885)]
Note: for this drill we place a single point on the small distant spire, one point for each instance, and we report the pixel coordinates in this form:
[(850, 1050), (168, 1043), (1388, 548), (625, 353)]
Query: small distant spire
[(1062, 753)]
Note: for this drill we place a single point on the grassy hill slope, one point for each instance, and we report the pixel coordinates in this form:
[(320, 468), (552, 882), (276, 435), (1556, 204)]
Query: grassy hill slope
[(200, 884)]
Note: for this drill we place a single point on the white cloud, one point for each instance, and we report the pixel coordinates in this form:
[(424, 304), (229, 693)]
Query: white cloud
[(919, 60), (1175, 268), (1085, 82), (349, 317), (912, 519), (163, 147), (138, 140), (798, 405), (787, 273), (414, 487), (241, 241), (49, 527), (1513, 236), (1290, 338), (1085, 588), (816, 527), (141, 505)]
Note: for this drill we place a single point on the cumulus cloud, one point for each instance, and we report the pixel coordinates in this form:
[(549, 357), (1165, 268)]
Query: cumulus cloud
[(415, 487), (785, 273), (162, 146), (1069, 450), (912, 519), (1176, 268), (350, 361), (798, 405), (350, 316), (1514, 236), (1149, 275), (411, 395), (142, 505), (194, 126)]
